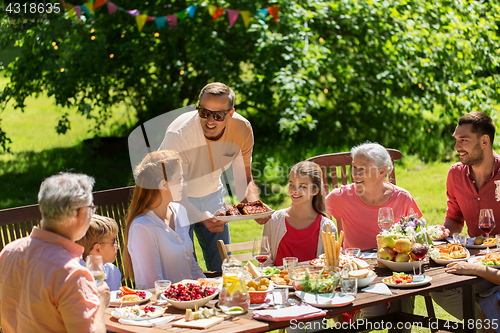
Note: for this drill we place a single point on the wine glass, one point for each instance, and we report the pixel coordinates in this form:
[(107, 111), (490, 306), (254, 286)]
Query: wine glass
[(96, 267), (419, 248), (486, 223), (385, 218), (261, 251)]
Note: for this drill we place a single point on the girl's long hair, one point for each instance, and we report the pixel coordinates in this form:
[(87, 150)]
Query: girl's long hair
[(148, 175), (313, 171)]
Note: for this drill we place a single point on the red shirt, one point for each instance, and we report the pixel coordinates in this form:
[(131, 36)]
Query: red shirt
[(300, 243), (465, 202)]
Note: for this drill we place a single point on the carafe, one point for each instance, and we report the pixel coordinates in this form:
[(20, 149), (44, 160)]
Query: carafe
[(234, 290)]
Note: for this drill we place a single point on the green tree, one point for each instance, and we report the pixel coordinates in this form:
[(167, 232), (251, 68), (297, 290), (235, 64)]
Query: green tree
[(328, 75)]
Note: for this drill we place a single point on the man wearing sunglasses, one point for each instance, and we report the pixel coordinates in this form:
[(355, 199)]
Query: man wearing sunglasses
[(210, 140)]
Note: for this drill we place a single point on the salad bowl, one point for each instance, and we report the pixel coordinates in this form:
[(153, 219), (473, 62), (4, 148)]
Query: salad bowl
[(314, 280)]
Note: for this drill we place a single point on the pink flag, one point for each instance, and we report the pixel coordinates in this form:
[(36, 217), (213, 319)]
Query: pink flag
[(232, 16), (112, 8), (172, 21), (78, 12)]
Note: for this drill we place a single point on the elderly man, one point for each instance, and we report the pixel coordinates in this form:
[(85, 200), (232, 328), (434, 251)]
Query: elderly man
[(209, 141), (43, 287)]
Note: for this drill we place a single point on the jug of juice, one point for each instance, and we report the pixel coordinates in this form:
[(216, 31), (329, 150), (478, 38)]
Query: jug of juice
[(234, 290)]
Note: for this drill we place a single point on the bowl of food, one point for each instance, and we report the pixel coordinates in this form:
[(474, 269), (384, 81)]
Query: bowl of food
[(314, 280), (404, 266), (258, 290), (364, 280), (190, 295)]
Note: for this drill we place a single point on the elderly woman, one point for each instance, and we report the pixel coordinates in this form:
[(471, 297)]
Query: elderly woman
[(357, 204)]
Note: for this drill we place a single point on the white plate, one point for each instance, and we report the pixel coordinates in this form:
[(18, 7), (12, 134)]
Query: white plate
[(426, 280), (446, 262), (282, 286), (399, 266), (120, 313), (114, 301), (478, 260), (471, 245), (325, 300), (243, 217)]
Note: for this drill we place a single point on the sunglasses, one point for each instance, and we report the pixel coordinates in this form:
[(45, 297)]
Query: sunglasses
[(217, 115)]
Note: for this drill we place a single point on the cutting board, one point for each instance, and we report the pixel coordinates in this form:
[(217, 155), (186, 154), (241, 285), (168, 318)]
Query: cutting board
[(200, 323)]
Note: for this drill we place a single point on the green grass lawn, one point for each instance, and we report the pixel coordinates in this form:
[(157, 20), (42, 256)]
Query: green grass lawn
[(38, 151)]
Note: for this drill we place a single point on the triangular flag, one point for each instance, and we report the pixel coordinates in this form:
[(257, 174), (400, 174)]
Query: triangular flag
[(89, 6), (191, 10), (182, 15), (274, 11), (211, 9), (99, 3), (70, 9), (160, 22), (112, 8), (246, 16), (133, 12), (232, 16), (150, 18), (262, 13), (78, 11), (172, 21), (218, 13), (141, 20)]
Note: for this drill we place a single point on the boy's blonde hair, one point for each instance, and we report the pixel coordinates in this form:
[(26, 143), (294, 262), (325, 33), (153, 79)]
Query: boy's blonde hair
[(101, 227)]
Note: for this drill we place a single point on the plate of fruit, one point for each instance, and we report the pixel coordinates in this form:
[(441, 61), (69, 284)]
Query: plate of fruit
[(128, 296), (396, 254), (137, 312), (190, 295)]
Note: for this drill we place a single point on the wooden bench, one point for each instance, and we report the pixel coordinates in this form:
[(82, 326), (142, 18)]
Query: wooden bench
[(18, 222)]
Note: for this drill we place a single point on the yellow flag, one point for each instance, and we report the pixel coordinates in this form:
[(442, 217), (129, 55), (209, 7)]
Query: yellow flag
[(246, 16), (211, 9), (70, 9), (90, 7), (141, 20)]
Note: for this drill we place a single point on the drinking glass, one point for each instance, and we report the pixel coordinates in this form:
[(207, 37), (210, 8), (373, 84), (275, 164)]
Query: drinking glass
[(261, 251), (419, 248), (353, 251), (160, 287), (95, 265), (460, 238), (289, 263), (349, 286), (486, 223), (385, 218)]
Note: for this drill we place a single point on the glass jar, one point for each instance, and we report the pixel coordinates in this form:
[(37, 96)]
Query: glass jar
[(234, 290)]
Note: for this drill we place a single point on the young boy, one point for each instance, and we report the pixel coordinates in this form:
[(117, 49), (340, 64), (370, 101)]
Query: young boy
[(101, 239)]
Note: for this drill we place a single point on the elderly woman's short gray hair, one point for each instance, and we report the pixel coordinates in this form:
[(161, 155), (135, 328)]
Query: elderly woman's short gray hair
[(376, 153), (61, 195)]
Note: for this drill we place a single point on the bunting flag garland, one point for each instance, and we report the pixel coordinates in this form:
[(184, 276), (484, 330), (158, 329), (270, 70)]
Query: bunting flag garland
[(214, 11), (218, 13), (141, 20), (274, 12), (246, 16), (99, 3), (232, 15), (111, 8)]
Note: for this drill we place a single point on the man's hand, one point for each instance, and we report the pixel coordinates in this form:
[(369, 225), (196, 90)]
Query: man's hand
[(445, 232), (212, 224), (462, 267), (263, 220)]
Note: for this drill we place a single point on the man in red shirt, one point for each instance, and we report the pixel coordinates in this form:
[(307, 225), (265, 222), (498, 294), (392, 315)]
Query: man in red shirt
[(470, 184)]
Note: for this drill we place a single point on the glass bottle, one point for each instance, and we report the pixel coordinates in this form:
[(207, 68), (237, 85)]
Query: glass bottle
[(234, 290)]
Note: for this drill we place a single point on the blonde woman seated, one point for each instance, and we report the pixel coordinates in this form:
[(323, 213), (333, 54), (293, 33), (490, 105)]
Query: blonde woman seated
[(357, 204), (295, 231), (158, 246)]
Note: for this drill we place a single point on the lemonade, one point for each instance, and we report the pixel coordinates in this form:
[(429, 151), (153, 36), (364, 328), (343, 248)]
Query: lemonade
[(234, 291)]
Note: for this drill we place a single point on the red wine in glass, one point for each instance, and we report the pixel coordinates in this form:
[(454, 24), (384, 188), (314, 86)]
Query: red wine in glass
[(486, 223), (486, 229), (261, 258), (419, 251)]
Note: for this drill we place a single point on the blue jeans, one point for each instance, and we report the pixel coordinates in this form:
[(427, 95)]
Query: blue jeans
[(208, 240)]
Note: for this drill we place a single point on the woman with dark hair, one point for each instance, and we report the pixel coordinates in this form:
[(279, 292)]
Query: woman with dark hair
[(158, 246), (295, 231)]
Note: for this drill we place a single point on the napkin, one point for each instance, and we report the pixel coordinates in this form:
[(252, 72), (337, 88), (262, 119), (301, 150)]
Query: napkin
[(283, 314), (147, 323), (378, 288)]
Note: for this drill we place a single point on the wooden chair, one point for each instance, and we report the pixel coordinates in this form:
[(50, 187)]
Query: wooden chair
[(344, 161), (225, 249), (329, 164)]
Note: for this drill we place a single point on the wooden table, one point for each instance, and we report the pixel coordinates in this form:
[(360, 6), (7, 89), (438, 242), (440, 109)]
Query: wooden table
[(245, 323)]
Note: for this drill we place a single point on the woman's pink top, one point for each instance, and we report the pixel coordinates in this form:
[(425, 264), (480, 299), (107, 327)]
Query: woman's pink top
[(359, 221), (300, 243)]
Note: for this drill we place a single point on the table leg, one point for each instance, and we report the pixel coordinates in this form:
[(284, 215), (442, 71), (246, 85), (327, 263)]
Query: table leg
[(395, 308), (469, 307)]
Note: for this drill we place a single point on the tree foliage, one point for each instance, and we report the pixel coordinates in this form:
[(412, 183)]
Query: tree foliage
[(329, 74)]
